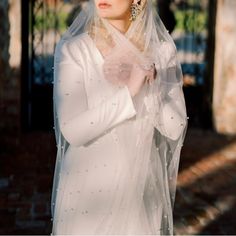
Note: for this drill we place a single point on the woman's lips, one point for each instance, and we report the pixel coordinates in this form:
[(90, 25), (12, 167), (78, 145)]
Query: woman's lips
[(104, 5)]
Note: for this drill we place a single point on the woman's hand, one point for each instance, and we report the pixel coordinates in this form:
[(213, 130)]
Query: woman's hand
[(129, 73), (140, 75)]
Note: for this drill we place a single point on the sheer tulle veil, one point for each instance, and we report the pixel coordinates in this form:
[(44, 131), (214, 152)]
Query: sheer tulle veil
[(152, 172)]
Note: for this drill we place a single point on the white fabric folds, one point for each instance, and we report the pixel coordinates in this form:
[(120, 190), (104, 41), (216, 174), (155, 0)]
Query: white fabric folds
[(117, 156)]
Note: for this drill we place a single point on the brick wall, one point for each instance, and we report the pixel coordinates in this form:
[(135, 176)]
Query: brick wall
[(224, 98), (9, 69)]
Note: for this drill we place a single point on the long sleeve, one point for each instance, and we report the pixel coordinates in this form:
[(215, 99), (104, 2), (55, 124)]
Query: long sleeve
[(173, 120), (77, 122), (167, 104)]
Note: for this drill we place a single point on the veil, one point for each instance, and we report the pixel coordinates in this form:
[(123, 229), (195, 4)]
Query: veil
[(150, 175)]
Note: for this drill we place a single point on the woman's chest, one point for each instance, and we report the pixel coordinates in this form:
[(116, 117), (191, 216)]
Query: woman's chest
[(98, 88)]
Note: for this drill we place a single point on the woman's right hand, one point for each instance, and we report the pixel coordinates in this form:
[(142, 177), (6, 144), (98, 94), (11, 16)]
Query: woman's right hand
[(139, 76)]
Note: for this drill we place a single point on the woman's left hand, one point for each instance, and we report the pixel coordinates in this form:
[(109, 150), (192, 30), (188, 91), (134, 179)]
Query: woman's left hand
[(151, 73)]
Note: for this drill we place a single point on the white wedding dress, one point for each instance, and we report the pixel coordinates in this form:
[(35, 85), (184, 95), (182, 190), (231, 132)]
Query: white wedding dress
[(94, 119)]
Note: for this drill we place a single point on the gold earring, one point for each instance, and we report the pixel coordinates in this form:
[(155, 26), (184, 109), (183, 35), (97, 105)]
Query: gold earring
[(135, 10)]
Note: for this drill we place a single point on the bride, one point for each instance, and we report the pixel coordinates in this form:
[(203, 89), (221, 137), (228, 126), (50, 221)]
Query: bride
[(120, 122)]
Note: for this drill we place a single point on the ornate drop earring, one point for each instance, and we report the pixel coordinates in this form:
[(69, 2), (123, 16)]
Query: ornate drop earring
[(135, 10)]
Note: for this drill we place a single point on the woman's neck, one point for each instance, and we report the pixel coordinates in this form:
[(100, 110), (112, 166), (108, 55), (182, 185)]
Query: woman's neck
[(122, 25)]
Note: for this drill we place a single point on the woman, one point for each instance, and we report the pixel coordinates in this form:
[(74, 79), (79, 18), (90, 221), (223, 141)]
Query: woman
[(120, 121)]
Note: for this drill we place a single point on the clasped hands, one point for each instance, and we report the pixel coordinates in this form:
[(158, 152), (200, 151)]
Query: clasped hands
[(134, 75)]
